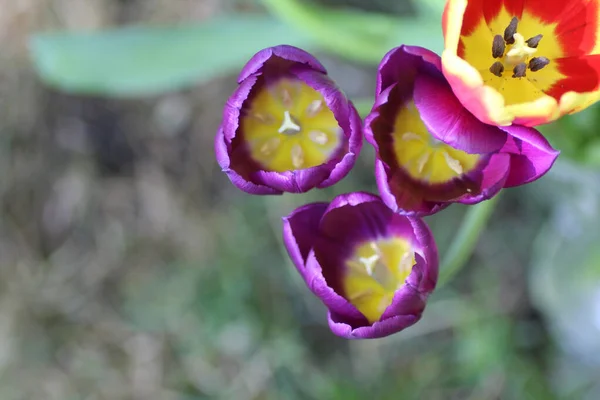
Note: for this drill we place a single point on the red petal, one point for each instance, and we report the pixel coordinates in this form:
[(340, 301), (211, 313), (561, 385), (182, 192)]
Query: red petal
[(577, 28), (581, 75)]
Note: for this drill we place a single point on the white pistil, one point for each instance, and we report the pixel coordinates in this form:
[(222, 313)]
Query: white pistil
[(314, 108), (288, 126), (369, 263), (453, 163), (519, 51), (297, 156), (318, 137)]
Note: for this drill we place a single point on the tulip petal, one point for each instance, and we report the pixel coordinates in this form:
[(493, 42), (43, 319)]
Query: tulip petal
[(223, 159), (300, 229), (284, 55), (495, 175), (450, 122), (531, 155), (340, 327)]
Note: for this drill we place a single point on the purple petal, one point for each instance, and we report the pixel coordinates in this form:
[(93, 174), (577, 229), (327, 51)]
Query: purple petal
[(424, 274), (233, 107), (494, 178), (401, 64), (280, 58), (318, 284), (378, 126), (340, 326), (298, 181), (531, 155), (407, 301), (356, 217), (408, 197), (224, 161), (300, 229), (342, 168), (447, 120)]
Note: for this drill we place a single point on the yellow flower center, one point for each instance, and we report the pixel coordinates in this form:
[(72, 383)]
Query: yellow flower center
[(424, 157), (288, 126), (376, 270), (497, 67), (518, 54)]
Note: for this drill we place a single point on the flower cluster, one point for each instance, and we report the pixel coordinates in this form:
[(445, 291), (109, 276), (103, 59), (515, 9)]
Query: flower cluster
[(455, 128)]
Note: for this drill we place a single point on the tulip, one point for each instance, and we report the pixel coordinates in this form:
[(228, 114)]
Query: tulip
[(431, 151), (287, 127), (522, 62), (372, 268)]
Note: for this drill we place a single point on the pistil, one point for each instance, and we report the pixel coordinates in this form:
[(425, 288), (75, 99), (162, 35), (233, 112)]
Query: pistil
[(288, 126)]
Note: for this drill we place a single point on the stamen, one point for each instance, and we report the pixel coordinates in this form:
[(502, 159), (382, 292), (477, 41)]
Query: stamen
[(405, 265), (318, 137), (498, 46), (411, 136), (422, 161), (288, 126), (266, 119), (270, 146), (286, 98), (497, 69), (534, 41), (453, 163), (519, 70), (297, 156), (538, 63), (510, 30), (314, 107)]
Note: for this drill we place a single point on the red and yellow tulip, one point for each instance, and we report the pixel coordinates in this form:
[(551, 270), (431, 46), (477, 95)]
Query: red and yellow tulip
[(524, 62)]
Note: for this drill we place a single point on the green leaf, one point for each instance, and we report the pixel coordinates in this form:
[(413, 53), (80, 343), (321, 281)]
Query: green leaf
[(356, 35), (146, 60)]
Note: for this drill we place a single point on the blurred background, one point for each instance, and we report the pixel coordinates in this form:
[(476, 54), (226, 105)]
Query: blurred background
[(131, 268)]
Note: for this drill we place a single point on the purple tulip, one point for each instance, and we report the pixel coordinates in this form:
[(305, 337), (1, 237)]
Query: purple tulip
[(371, 267), (287, 127), (431, 151)]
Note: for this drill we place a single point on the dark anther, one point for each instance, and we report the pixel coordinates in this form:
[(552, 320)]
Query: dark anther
[(534, 41), (519, 70), (498, 46), (510, 30), (537, 63), (497, 69)]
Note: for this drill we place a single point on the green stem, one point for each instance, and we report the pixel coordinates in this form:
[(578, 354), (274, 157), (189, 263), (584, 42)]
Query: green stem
[(465, 240)]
